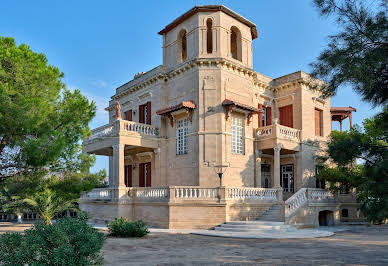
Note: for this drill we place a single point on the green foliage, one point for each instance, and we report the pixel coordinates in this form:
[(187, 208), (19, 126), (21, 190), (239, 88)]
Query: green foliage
[(42, 122), (67, 242), (370, 178), (358, 53), (121, 227)]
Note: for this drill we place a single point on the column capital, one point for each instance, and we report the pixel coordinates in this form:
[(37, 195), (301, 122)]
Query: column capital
[(278, 147), (118, 146)]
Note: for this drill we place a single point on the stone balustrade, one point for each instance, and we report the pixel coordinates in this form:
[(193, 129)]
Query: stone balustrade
[(278, 131), (253, 193), (195, 193), (98, 194), (305, 196), (142, 129), (123, 127), (184, 193)]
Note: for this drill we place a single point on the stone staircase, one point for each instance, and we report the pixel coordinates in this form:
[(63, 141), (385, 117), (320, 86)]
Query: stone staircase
[(273, 214), (255, 227)]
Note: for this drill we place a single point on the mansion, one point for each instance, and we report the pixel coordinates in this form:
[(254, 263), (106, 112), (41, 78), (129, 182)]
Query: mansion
[(204, 139)]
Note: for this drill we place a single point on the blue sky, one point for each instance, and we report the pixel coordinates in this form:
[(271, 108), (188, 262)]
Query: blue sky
[(100, 45)]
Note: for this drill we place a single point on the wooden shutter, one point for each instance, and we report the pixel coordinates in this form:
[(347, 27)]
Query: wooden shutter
[(148, 113), (269, 116), (148, 165), (259, 116), (129, 174), (318, 122), (286, 116), (128, 115), (141, 114), (141, 175)]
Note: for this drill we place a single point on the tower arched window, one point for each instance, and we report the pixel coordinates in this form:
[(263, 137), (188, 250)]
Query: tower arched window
[(235, 43), (209, 35), (183, 45)]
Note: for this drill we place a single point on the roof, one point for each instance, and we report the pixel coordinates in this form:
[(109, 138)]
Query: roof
[(342, 109), (228, 102), (187, 104), (210, 8)]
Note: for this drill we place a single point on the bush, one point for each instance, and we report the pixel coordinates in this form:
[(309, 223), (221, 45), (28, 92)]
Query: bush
[(121, 227), (67, 242)]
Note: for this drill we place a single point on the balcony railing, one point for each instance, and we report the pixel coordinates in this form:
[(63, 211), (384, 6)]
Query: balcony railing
[(278, 131), (122, 127), (186, 193)]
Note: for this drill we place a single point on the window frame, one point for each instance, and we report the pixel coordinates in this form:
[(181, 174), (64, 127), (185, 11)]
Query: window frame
[(181, 132), (237, 127)]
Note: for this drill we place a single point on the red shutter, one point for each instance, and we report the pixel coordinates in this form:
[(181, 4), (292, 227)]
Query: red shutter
[(259, 116), (141, 175), (269, 116), (148, 113), (129, 174), (128, 115), (148, 174), (141, 114), (286, 116)]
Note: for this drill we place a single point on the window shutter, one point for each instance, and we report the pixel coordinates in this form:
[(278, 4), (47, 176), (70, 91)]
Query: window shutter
[(141, 114), (141, 175), (148, 174), (269, 116), (129, 174), (318, 122), (128, 115), (148, 113), (286, 116)]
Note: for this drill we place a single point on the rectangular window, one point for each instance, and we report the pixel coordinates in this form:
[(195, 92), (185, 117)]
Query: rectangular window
[(269, 116), (181, 136), (238, 135), (128, 176), (318, 122), (264, 117), (145, 113), (145, 174)]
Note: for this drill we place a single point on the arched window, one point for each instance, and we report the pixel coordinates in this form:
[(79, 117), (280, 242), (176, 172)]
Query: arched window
[(235, 43), (183, 45), (345, 213), (209, 35)]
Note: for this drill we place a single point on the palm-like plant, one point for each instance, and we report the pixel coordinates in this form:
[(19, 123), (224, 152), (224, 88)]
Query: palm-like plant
[(48, 203)]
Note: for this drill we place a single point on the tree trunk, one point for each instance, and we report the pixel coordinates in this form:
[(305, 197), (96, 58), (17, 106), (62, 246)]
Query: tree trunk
[(2, 144)]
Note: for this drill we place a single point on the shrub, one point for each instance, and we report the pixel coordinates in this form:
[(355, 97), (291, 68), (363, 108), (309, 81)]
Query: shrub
[(121, 227), (67, 242)]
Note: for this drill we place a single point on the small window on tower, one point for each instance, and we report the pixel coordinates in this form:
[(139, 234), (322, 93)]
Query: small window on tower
[(183, 45), (209, 36)]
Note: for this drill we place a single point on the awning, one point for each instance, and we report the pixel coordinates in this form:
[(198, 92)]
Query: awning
[(230, 105), (188, 105)]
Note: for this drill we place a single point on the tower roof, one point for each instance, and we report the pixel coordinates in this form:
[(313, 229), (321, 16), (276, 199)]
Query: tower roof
[(210, 8)]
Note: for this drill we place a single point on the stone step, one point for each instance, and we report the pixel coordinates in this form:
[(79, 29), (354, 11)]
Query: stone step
[(255, 227), (256, 222)]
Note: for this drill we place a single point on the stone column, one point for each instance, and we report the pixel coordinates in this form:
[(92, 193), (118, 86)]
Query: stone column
[(118, 159), (276, 163)]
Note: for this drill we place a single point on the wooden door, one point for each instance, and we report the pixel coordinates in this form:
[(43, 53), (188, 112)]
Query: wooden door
[(128, 115), (269, 116), (128, 175), (141, 175), (148, 174)]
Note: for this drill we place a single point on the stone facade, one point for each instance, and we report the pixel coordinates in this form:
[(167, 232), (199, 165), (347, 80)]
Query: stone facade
[(206, 106)]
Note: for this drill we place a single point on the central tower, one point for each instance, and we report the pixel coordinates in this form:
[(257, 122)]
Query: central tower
[(210, 31)]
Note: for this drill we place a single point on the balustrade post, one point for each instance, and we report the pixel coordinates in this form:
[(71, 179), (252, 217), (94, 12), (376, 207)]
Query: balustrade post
[(222, 194), (171, 193)]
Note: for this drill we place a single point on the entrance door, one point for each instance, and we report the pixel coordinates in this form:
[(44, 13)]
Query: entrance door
[(266, 175), (145, 174), (287, 177)]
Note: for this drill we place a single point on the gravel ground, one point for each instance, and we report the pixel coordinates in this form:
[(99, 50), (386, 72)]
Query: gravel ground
[(361, 245)]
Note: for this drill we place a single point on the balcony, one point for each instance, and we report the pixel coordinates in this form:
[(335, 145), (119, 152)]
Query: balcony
[(270, 136), (124, 132)]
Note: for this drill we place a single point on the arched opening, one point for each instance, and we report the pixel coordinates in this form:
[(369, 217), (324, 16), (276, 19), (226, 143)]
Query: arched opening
[(345, 213), (326, 218), (209, 35), (235, 43), (183, 45)]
